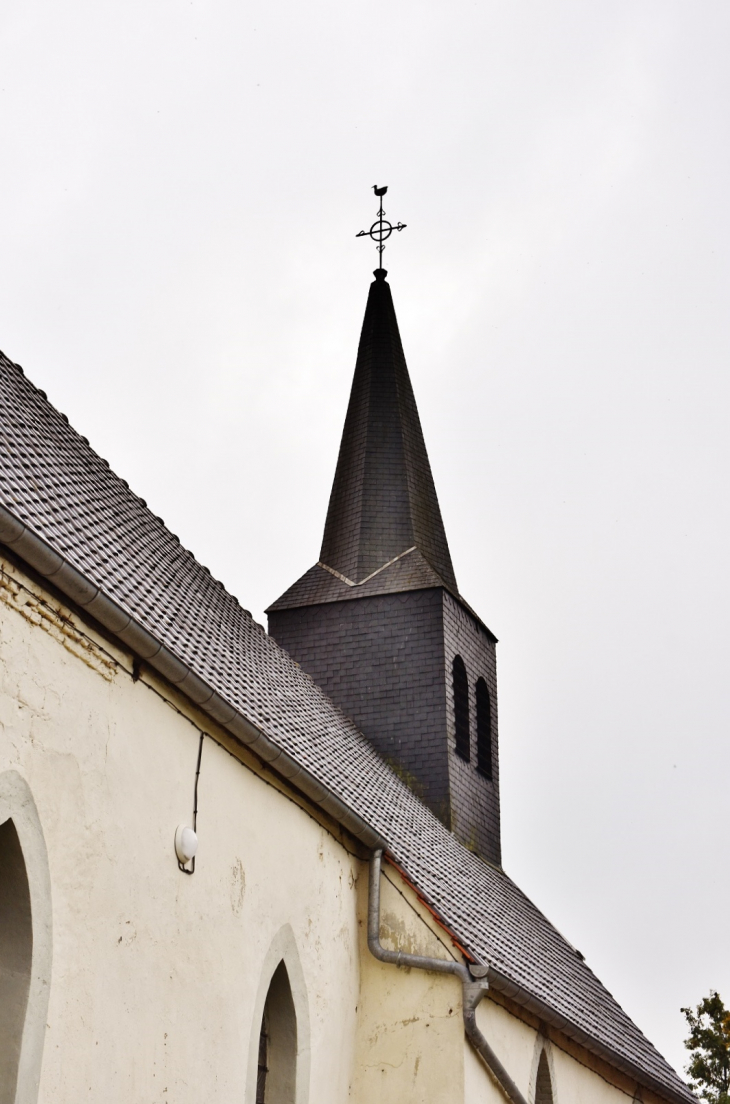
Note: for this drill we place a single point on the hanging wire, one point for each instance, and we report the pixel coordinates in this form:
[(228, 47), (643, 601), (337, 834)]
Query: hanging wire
[(182, 866)]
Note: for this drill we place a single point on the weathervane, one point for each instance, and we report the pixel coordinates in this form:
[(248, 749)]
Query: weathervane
[(381, 229)]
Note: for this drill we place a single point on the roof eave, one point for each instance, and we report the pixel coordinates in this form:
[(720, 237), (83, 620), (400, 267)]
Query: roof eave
[(83, 592), (546, 1013), (533, 1004)]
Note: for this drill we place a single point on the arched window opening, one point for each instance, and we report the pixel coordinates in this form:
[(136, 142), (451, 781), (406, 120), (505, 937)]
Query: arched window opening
[(277, 1067), (16, 953), (543, 1084), (461, 708), (484, 729)]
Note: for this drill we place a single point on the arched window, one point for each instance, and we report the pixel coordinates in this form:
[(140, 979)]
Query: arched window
[(16, 954), (461, 708), (484, 729), (277, 1066), (543, 1084)]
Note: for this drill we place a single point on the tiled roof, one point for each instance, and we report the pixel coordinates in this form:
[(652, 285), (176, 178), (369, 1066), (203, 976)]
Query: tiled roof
[(51, 480)]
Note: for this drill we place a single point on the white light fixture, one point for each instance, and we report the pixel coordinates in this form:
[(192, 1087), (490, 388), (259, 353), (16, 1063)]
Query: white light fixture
[(186, 843)]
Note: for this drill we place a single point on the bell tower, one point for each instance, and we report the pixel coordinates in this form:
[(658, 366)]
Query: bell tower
[(379, 623)]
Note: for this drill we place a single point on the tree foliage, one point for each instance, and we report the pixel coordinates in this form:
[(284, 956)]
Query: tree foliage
[(709, 1045)]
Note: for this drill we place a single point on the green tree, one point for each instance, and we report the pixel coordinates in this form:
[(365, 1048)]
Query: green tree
[(709, 1046)]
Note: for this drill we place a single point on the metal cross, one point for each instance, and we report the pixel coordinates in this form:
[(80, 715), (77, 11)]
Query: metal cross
[(381, 230)]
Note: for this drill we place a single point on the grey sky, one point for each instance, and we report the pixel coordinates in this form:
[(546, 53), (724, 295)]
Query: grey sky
[(180, 192)]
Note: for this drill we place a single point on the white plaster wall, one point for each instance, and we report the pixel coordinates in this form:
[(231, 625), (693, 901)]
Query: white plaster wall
[(155, 975), (409, 1029), (578, 1085)]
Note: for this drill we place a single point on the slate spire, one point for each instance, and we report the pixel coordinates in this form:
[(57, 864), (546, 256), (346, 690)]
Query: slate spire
[(378, 622), (383, 500)]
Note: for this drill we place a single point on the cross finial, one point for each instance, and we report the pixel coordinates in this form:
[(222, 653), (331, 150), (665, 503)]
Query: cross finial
[(381, 229)]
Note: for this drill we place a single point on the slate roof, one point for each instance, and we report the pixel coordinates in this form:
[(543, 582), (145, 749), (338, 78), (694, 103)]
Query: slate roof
[(383, 499), (411, 571), (52, 480)]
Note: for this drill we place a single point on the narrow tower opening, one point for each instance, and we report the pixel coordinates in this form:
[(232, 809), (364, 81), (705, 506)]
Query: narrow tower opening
[(461, 708), (484, 729), (277, 1058), (16, 953)]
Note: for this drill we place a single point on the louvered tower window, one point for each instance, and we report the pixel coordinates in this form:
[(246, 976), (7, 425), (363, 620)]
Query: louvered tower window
[(484, 729), (461, 708), (543, 1084)]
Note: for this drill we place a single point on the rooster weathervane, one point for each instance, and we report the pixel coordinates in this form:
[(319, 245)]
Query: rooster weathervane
[(381, 229)]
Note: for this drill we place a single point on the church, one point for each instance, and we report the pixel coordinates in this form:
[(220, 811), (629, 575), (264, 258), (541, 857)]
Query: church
[(254, 867)]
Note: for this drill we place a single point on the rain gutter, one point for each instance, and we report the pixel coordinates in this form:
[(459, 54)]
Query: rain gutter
[(550, 1016), (71, 582)]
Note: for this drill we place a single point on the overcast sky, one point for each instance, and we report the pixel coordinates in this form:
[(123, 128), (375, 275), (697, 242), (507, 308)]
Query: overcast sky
[(180, 191)]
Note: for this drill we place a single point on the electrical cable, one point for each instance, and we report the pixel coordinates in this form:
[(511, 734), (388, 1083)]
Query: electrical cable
[(182, 866)]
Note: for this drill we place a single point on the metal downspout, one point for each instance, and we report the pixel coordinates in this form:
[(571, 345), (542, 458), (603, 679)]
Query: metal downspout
[(473, 981)]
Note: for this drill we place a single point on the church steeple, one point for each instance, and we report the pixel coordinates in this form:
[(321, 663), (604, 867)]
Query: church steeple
[(378, 622), (383, 500)]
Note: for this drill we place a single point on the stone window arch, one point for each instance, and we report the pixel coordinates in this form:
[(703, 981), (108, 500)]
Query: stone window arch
[(279, 1056), (461, 708), (542, 1078), (25, 941), (484, 728), (276, 1075)]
